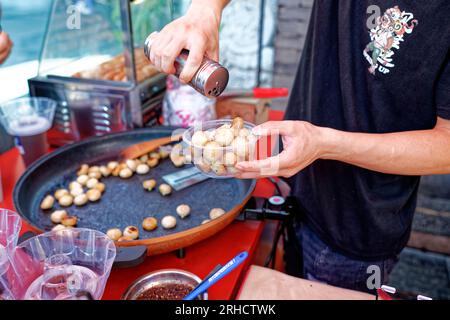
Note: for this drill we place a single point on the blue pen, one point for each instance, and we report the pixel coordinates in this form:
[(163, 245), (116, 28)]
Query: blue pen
[(226, 269)]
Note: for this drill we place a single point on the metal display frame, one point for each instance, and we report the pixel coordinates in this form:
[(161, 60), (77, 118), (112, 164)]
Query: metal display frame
[(121, 105)]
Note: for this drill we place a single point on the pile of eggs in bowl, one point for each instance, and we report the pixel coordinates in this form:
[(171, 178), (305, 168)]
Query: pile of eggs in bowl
[(216, 146)]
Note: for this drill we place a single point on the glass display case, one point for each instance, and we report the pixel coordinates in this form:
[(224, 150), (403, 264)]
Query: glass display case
[(92, 63)]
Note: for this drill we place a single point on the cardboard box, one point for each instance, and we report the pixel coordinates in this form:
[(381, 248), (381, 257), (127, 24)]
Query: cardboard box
[(252, 110)]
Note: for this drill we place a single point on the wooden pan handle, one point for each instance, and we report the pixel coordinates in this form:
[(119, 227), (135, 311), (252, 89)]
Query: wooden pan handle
[(139, 149)]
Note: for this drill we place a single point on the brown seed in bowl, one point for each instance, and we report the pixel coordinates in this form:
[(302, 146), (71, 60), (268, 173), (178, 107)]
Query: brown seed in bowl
[(74, 192), (75, 185), (100, 187), (229, 159), (94, 175), (94, 169), (219, 169), (165, 189), (91, 183), (60, 192), (154, 155), (82, 179), (178, 161), (164, 152), (142, 169), (224, 137), (93, 195), (212, 151), (69, 221), (203, 165), (105, 171), (169, 222), (216, 213), (149, 223), (131, 164), (114, 234), (149, 184), (126, 173), (112, 165), (80, 200), (152, 162), (143, 158), (237, 123), (58, 215), (132, 232), (116, 171), (183, 210), (240, 147), (66, 200), (47, 203), (84, 169), (199, 138)]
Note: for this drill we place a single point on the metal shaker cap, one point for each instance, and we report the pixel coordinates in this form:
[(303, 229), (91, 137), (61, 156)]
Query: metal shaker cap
[(211, 79)]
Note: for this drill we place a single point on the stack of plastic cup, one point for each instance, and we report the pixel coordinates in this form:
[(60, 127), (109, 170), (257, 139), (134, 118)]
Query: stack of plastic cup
[(10, 225), (69, 264), (28, 120)]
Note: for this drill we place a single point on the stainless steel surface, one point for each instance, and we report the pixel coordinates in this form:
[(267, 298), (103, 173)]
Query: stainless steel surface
[(211, 78), (160, 277), (90, 106), (185, 178), (127, 29), (99, 106)]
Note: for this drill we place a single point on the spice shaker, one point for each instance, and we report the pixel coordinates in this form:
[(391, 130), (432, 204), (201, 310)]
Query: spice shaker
[(210, 79)]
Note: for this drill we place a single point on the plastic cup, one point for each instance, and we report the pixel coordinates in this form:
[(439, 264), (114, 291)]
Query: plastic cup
[(28, 120), (10, 224), (81, 106), (64, 265)]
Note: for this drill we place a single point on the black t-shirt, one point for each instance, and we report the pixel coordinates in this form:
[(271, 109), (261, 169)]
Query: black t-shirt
[(361, 74)]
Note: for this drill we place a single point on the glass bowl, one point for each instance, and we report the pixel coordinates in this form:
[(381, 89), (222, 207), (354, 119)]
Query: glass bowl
[(218, 152)]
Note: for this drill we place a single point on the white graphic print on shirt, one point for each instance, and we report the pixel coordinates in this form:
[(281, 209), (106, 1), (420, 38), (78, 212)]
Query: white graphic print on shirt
[(387, 35)]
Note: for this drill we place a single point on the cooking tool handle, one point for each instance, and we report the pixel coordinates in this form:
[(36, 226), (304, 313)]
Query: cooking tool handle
[(205, 279), (129, 257), (270, 92), (225, 270)]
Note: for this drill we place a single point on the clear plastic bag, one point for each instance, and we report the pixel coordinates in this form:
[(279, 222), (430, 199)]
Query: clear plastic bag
[(183, 106)]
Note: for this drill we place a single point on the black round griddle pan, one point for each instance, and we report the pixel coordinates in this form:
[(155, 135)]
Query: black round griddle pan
[(125, 202)]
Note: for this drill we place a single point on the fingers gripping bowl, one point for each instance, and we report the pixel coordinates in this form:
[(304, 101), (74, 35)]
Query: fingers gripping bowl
[(217, 146)]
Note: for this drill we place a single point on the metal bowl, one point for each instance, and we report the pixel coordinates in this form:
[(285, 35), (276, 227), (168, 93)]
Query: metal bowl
[(161, 277)]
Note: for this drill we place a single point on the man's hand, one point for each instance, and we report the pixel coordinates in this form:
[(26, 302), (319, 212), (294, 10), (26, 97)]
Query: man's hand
[(302, 145), (5, 46), (197, 31), (420, 152)]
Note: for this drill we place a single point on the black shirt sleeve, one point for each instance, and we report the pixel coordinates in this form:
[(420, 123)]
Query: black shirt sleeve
[(443, 92)]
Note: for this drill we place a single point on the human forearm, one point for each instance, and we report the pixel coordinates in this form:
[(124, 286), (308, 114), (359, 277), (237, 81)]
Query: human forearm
[(216, 5), (421, 152), (196, 31)]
